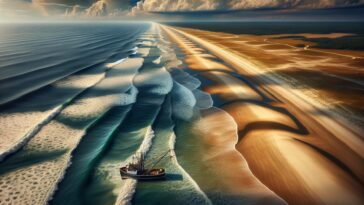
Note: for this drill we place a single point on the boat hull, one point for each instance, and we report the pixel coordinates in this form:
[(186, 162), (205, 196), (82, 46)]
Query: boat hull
[(154, 174)]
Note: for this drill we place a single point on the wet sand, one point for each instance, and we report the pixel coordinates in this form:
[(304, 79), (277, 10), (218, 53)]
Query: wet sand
[(333, 77), (298, 151), (218, 131)]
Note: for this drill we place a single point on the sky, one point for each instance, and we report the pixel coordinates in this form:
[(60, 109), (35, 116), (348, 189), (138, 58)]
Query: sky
[(12, 10)]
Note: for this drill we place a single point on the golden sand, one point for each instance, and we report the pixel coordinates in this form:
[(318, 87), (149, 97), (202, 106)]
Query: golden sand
[(298, 173), (218, 131), (304, 157), (334, 77)]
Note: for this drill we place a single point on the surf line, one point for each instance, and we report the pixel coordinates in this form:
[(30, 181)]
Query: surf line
[(55, 111), (52, 113), (32, 132), (128, 188), (110, 65), (84, 132), (172, 142)]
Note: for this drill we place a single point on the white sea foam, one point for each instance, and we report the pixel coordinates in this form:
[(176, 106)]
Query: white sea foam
[(148, 43), (183, 102), (129, 185), (59, 134), (127, 192), (32, 132), (158, 60), (185, 93), (172, 142), (124, 99), (144, 52), (134, 49), (44, 118), (157, 81), (109, 65), (128, 97), (22, 126)]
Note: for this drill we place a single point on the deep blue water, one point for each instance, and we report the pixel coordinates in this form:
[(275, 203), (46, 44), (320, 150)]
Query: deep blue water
[(33, 56)]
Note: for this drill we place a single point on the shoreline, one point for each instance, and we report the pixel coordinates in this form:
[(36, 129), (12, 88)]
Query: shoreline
[(285, 111), (336, 79)]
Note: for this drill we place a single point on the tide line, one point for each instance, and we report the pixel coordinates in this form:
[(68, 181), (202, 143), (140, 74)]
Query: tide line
[(110, 65), (172, 142)]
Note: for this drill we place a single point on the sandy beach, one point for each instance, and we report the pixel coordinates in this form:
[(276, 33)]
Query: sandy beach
[(332, 77), (302, 153), (218, 131), (251, 117)]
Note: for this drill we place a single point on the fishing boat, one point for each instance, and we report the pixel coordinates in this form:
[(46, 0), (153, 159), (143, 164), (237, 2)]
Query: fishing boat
[(136, 169)]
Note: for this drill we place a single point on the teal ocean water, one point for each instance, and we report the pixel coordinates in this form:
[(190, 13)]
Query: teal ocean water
[(78, 100)]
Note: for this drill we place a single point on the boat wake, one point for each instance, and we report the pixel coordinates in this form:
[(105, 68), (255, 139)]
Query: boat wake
[(181, 103), (129, 185), (172, 142), (87, 138)]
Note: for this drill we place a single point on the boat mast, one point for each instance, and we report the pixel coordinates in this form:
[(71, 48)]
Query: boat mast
[(141, 161), (163, 155)]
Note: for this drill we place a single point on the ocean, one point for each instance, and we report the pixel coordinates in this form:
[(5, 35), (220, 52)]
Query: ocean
[(78, 100)]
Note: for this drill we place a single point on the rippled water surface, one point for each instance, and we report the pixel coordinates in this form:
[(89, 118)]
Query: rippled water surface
[(78, 100)]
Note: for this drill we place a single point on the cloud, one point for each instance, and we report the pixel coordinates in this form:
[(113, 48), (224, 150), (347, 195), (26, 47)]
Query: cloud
[(99, 8), (144, 8), (104, 8), (293, 4), (177, 5), (62, 8), (212, 5), (14, 9), (73, 11)]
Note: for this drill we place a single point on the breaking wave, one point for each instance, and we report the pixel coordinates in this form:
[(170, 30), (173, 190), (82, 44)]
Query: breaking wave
[(128, 188), (106, 119), (155, 81), (172, 142)]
